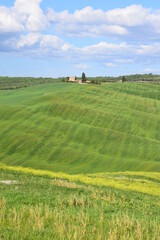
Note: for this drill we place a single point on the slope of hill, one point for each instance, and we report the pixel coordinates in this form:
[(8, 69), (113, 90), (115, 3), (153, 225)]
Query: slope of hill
[(81, 128), (36, 204)]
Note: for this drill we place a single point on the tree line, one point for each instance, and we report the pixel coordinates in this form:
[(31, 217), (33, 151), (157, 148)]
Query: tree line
[(7, 83)]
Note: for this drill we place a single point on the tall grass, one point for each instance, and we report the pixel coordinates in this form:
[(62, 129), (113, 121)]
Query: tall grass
[(41, 221), (38, 205)]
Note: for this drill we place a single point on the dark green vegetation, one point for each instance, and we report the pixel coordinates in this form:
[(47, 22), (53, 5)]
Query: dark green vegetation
[(9, 83), (81, 128), (130, 78), (83, 77), (37, 207)]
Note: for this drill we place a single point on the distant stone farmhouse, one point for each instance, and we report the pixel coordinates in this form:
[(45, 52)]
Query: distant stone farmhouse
[(74, 79)]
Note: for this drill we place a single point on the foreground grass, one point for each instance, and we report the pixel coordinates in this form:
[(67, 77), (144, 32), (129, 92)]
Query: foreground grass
[(38, 205), (81, 128), (131, 181)]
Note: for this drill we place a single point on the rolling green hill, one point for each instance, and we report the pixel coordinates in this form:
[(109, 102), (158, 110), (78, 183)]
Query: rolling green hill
[(80, 162), (81, 128)]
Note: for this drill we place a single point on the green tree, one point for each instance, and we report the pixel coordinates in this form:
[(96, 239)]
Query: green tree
[(123, 79), (83, 77)]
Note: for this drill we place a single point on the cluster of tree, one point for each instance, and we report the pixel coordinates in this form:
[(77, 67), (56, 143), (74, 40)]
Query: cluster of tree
[(93, 81), (123, 79), (21, 82), (129, 78), (84, 77), (7, 83)]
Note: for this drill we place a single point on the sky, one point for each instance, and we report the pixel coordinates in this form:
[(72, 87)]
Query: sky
[(44, 38)]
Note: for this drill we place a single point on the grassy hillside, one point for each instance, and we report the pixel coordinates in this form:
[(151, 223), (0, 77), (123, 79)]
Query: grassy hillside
[(81, 128), (46, 205)]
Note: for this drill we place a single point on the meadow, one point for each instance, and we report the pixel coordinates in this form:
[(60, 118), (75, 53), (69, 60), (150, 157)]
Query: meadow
[(36, 204), (81, 128), (80, 161)]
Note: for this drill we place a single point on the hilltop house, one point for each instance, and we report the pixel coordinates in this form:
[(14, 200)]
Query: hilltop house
[(72, 79)]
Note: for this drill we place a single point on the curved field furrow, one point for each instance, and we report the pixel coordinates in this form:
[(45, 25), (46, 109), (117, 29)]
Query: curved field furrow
[(74, 128)]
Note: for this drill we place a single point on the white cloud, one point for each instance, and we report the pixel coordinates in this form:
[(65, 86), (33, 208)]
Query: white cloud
[(148, 50), (136, 31), (85, 22), (23, 16), (135, 22), (88, 15), (148, 70), (110, 54), (119, 62), (9, 23), (130, 23), (30, 14), (124, 61), (29, 40), (50, 41), (151, 70), (105, 49), (132, 16), (82, 66), (110, 64), (40, 42)]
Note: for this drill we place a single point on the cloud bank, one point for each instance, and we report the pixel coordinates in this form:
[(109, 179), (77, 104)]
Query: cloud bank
[(132, 33)]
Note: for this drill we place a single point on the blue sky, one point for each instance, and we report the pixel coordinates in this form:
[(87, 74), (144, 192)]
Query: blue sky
[(66, 37), (72, 5)]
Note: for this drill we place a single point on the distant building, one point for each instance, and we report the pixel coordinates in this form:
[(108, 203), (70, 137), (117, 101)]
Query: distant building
[(72, 79)]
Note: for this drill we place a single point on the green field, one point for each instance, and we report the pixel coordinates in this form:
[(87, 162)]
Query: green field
[(81, 128), (36, 204), (80, 162)]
